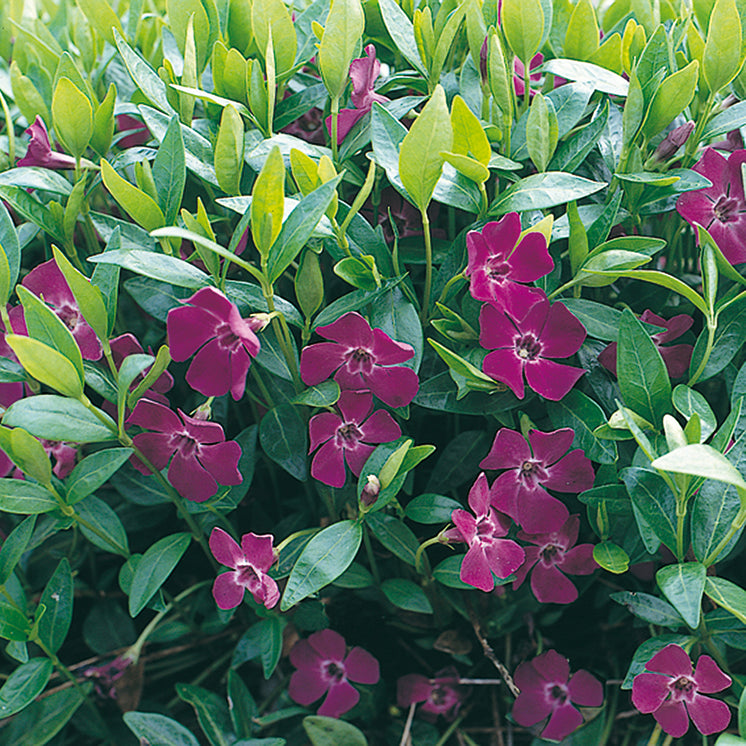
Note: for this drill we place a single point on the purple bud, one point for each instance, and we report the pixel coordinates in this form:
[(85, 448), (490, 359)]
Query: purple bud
[(483, 52), (673, 141), (370, 491)]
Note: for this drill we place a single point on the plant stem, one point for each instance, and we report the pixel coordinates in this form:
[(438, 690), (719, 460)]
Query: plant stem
[(711, 329), (371, 557), (736, 526), (655, 735), (335, 128), (428, 266)]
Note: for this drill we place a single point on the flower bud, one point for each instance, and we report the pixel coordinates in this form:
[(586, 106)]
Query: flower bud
[(673, 141), (370, 491), (483, 55)]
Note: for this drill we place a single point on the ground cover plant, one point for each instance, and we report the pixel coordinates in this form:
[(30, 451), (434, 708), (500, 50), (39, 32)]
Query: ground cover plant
[(372, 372)]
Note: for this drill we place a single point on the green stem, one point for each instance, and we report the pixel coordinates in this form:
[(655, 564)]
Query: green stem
[(371, 557), (711, 329), (428, 266), (444, 292), (610, 715), (655, 735), (680, 519), (421, 565), (693, 142), (283, 333), (335, 128), (449, 732)]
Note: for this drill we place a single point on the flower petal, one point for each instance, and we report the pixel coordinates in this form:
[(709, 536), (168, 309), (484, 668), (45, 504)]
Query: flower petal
[(210, 371), (550, 586), (257, 548), (509, 449), (153, 416), (225, 549), (475, 570), (227, 593), (190, 479), (505, 366), (361, 667), (550, 447), (306, 686), (395, 386), (573, 473), (496, 330), (709, 677), (551, 379), (341, 698), (188, 329), (328, 465), (355, 406), (387, 351), (649, 691), (565, 719), (671, 660), (672, 718), (552, 666), (709, 715), (380, 427), (585, 689), (562, 334), (319, 361), (350, 330), (530, 707), (322, 427), (221, 460), (329, 644)]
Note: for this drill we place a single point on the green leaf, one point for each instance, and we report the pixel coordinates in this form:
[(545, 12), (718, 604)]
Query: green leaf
[(722, 57), (24, 685), (649, 608), (600, 78), (727, 595), (611, 557), (583, 415), (45, 326), (402, 33), (355, 576), (229, 150), (102, 18), (212, 713), (683, 585), (10, 243), (431, 508), (420, 162), (600, 321), (733, 118), (46, 717), (701, 460), (299, 227), (14, 547), (674, 94), (542, 131), (643, 377), (654, 503), (167, 269), (469, 136), (27, 453), (26, 498), (404, 594), (324, 394), (130, 369), (523, 25), (101, 526), (138, 205), (13, 624), (729, 335), (394, 535), (268, 202), (169, 171), (325, 731), (158, 730), (264, 640), (448, 572), (688, 402), (283, 436), (322, 561), (154, 567), (88, 296), (342, 32), (57, 598), (541, 191), (241, 705), (272, 15), (581, 37), (57, 418), (73, 117)]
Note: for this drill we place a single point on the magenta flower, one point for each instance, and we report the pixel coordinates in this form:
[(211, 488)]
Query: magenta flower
[(524, 341), (364, 359), (676, 357), (47, 281), (363, 73), (139, 134), (673, 694), (210, 325), (553, 555), (40, 153), (548, 690), (488, 551), (323, 668), (499, 263), (106, 676), (347, 438), (64, 455), (250, 563), (127, 344), (720, 208), (201, 456), (441, 695), (520, 491)]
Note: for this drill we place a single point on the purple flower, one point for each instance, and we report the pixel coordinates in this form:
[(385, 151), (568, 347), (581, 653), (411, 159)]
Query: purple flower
[(488, 551), (40, 152), (525, 340), (520, 490), (498, 262), (64, 455), (346, 438), (676, 357), (47, 281), (441, 695), (250, 563), (673, 694), (553, 555), (127, 344), (201, 456), (323, 668), (363, 74), (548, 690), (105, 676), (365, 360), (210, 323), (139, 134), (721, 208)]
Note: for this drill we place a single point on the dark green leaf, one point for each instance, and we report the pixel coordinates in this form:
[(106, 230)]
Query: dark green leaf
[(540, 191), (683, 585), (431, 508), (649, 608), (325, 731), (101, 526), (93, 471), (394, 535), (57, 598), (169, 171), (283, 436), (404, 594), (653, 500), (158, 266), (23, 686), (14, 546), (26, 498), (158, 730), (212, 713), (262, 640), (459, 460)]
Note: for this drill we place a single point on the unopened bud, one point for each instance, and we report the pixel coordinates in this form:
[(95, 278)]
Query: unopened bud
[(370, 491), (483, 57), (673, 141), (259, 321)]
